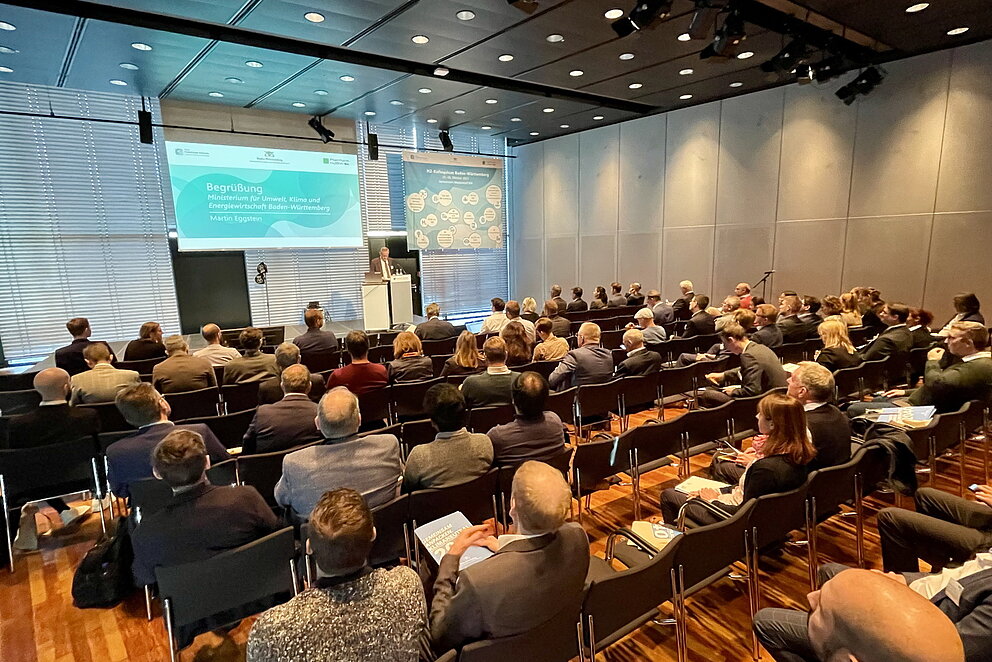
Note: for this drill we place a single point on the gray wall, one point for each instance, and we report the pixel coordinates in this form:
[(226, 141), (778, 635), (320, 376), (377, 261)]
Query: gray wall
[(893, 192)]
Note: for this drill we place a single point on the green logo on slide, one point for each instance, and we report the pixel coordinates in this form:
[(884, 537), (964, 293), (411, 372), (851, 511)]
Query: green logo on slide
[(326, 160)]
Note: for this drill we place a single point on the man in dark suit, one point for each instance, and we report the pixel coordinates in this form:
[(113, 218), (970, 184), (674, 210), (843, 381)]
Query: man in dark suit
[(556, 297), (316, 340), (182, 372), (701, 323), (435, 328), (129, 458), (534, 434), (663, 312), (54, 421), (560, 326), (287, 423), (534, 576), (382, 264), (287, 354), (639, 361), (682, 304), (830, 429), (589, 363), (766, 331), (70, 358), (634, 295), (616, 298), (760, 370), (895, 340), (793, 329), (255, 365), (577, 304), (810, 313)]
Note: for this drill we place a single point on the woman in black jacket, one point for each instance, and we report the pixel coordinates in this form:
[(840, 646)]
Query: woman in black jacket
[(409, 363), (780, 465), (837, 352)]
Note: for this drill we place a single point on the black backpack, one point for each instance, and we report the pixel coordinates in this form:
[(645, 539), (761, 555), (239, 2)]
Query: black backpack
[(104, 577)]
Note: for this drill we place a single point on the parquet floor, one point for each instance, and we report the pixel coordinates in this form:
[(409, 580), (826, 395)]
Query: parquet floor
[(39, 623)]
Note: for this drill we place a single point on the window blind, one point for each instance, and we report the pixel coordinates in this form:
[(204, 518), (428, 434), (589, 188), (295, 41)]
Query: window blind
[(83, 214)]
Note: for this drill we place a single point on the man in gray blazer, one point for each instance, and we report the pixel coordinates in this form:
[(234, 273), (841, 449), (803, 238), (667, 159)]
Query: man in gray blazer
[(760, 370), (535, 575), (102, 381), (287, 423), (182, 372), (254, 366), (590, 363), (370, 465)]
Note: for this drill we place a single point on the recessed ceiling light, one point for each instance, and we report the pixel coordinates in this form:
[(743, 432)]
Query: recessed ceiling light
[(117, 81), (299, 104), (465, 15), (215, 94), (6, 70), (505, 57), (555, 38), (597, 117), (441, 71), (138, 46), (919, 6), (549, 110), (129, 66), (956, 31), (635, 86), (613, 13), (4, 25), (515, 119), (575, 73), (745, 55), (419, 39), (346, 78), (314, 17), (684, 37), (320, 93), (485, 128), (8, 49), (369, 113), (424, 90), (626, 56), (431, 120), (736, 83), (562, 126), (492, 101), (534, 133), (459, 111), (395, 102), (685, 97), (234, 80), (686, 72), (254, 64)]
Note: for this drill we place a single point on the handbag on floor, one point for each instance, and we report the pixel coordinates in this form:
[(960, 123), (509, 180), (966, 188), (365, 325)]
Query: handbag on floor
[(103, 578)]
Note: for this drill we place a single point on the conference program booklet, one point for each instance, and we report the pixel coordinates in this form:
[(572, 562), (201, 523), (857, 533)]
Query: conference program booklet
[(655, 534), (437, 537), (696, 483), (908, 416)]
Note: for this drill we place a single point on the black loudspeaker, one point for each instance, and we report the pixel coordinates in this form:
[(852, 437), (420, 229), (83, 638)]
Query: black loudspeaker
[(373, 146), (145, 127), (445, 141)]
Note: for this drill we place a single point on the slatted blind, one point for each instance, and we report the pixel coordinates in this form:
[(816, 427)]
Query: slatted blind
[(83, 217)]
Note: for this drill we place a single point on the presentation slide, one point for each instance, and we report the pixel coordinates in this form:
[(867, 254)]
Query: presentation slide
[(237, 198), (453, 201)]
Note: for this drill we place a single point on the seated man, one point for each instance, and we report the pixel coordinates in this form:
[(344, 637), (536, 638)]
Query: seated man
[(556, 297), (360, 376), (810, 313), (634, 295), (287, 354), (148, 345), (202, 519), (866, 616), (254, 366), (287, 423), (354, 613), (639, 361), (663, 312), (743, 292), (682, 304), (456, 455), (653, 334), (70, 358), (577, 304), (513, 315), (589, 363), (760, 370), (895, 340), (435, 328), (561, 326), (616, 298), (215, 352), (701, 323), (129, 458), (793, 329), (766, 330), (315, 340), (944, 529), (182, 372), (534, 434), (102, 381), (54, 421), (492, 387), (370, 464), (497, 320), (551, 347), (534, 575)]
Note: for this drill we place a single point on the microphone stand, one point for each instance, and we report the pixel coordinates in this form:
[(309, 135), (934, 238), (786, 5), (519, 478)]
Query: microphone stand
[(764, 284)]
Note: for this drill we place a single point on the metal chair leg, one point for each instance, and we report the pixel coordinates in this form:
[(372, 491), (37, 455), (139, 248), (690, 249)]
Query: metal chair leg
[(292, 574), (592, 640), (961, 460), (755, 574), (578, 634), (635, 479), (683, 618), (811, 539), (148, 601), (859, 510), (6, 523), (173, 646)]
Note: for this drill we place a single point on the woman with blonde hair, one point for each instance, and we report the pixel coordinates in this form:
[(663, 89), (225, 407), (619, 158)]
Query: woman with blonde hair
[(529, 306), (465, 360), (517, 344), (837, 352), (849, 309), (409, 363), (780, 465)]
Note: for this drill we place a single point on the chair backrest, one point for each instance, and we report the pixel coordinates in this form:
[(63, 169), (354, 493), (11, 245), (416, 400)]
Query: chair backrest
[(829, 487), (652, 443), (17, 382), (476, 499), (484, 419), (432, 347), (111, 419), (381, 354), (704, 342), (391, 531), (544, 368), (263, 471), (775, 515), (19, 402), (674, 347), (201, 589), (50, 470), (230, 428), (105, 439), (194, 404), (321, 361), (847, 383), (142, 367), (792, 352), (374, 405), (408, 398), (677, 380), (554, 641), (598, 399), (612, 339), (457, 380), (415, 433), (438, 361), (239, 397), (705, 552), (875, 374), (917, 361), (639, 391), (973, 416), (949, 431), (873, 466), (597, 460), (705, 426), (563, 404), (149, 495)]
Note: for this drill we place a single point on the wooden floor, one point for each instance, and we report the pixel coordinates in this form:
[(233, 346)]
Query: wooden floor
[(38, 621)]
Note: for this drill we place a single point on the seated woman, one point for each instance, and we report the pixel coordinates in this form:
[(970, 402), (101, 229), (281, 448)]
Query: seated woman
[(831, 306), (919, 322), (837, 352), (599, 299), (781, 466), (465, 360), (148, 345), (409, 363), (529, 307), (967, 309), (849, 309), (517, 344)]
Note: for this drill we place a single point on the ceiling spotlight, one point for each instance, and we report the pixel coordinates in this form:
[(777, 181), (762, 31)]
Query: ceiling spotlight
[(233, 80), (703, 19), (727, 39), (554, 38), (685, 97), (124, 65), (526, 6), (686, 72), (216, 95), (6, 70), (254, 64), (431, 120), (138, 46), (745, 55), (865, 82), (346, 78), (395, 102), (795, 54), (492, 101), (459, 111), (919, 6), (424, 90), (4, 25), (485, 128), (829, 68), (325, 134), (298, 104), (956, 31), (515, 119), (549, 110), (465, 15), (805, 74), (505, 57), (369, 113), (574, 73), (635, 86), (685, 36), (626, 56), (441, 71), (563, 126), (314, 17), (8, 50), (645, 14), (736, 83), (534, 133), (613, 13), (419, 39), (115, 81), (597, 117), (320, 93), (445, 139)]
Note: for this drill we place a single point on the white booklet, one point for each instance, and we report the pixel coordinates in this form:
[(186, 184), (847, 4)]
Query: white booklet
[(437, 536), (656, 534), (696, 483)]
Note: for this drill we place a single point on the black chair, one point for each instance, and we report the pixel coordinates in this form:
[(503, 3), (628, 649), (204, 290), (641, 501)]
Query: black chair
[(143, 367), (374, 407), (19, 402), (595, 402), (504, 480), (877, 375), (563, 404), (594, 462), (847, 383), (263, 471), (674, 381), (704, 428), (554, 641), (432, 347), (792, 352), (611, 339), (193, 592), (640, 393), (653, 445), (407, 398), (381, 354), (321, 361), (671, 349), (917, 364), (229, 428), (704, 342), (392, 532), (415, 433), (147, 496), (193, 404), (111, 419), (457, 380), (545, 368), (17, 382), (476, 499), (484, 419), (385, 339), (32, 474), (438, 361), (239, 397)]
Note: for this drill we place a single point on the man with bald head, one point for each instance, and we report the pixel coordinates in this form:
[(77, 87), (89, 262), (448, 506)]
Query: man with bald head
[(52, 422), (215, 352), (287, 423), (370, 465), (867, 616), (640, 360), (589, 363), (182, 372)]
